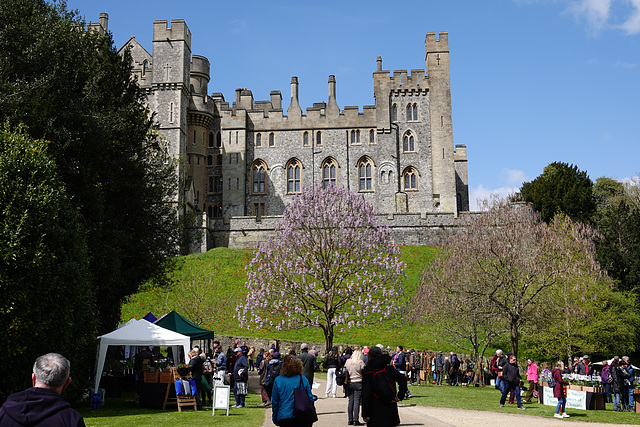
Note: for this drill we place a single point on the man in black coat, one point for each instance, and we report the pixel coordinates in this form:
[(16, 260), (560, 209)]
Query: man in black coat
[(377, 412), (240, 375), (511, 378), (42, 404), (308, 362)]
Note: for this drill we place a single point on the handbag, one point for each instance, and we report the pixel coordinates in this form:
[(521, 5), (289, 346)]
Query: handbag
[(241, 388), (303, 407)]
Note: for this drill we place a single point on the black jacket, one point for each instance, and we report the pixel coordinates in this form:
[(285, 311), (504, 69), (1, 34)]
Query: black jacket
[(382, 414), (510, 374), (308, 365), (38, 407)]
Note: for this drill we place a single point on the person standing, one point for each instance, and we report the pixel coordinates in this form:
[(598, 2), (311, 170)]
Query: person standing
[(627, 378), (532, 377), (416, 365), (605, 377), (455, 368), (400, 363), (617, 384), (331, 364), (511, 377), (308, 362), (354, 366), (584, 366), (42, 403), (283, 393), (439, 368), (240, 375), (379, 407), (250, 355), (196, 362), (558, 390)]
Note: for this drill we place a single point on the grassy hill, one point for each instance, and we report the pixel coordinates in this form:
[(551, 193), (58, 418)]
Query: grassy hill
[(208, 287)]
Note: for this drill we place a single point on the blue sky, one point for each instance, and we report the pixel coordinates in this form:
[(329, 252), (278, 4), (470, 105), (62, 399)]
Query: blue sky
[(532, 81)]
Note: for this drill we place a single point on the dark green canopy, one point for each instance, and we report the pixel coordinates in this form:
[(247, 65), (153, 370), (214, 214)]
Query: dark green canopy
[(175, 322)]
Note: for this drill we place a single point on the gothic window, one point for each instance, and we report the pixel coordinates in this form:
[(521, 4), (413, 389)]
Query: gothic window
[(194, 137), (408, 143), (259, 140), (218, 140), (415, 112), (305, 139), (272, 140), (259, 175), (372, 137), (218, 183), (329, 169), (412, 112), (394, 113), (410, 179), (209, 160), (145, 65), (355, 136), (294, 169), (409, 113), (259, 210), (219, 159), (364, 174), (210, 186), (318, 138), (210, 139)]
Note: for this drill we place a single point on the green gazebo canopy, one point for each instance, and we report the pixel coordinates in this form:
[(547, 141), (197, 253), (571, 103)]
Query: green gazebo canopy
[(175, 322)]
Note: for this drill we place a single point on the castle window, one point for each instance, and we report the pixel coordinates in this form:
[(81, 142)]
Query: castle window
[(408, 143), (194, 137), (210, 186), (372, 137), (293, 177), (219, 140), (218, 183), (364, 175), (210, 139), (203, 138), (394, 113), (328, 173), (197, 200), (259, 175), (209, 160), (272, 140), (410, 179), (219, 160), (171, 113), (210, 211), (305, 139), (145, 64), (259, 140), (415, 112), (259, 210), (409, 113), (318, 138), (355, 136)]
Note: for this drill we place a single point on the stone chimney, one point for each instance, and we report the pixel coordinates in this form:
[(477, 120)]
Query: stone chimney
[(294, 106)]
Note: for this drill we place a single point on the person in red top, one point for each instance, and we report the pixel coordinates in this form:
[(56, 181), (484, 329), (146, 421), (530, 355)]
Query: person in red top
[(558, 390)]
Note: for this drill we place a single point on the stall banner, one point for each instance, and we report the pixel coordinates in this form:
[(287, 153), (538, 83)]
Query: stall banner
[(575, 399)]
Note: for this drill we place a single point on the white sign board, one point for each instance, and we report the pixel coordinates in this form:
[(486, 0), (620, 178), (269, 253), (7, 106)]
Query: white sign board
[(575, 399), (221, 398)]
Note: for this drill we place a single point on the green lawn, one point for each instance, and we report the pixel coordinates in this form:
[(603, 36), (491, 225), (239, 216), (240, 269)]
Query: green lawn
[(124, 412)]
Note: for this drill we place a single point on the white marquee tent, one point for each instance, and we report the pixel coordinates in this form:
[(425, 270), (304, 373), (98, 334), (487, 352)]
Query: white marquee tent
[(139, 332)]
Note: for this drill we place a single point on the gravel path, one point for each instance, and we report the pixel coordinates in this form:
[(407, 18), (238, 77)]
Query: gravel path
[(332, 412)]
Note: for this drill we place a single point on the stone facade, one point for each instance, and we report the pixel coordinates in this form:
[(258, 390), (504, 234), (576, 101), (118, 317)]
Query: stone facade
[(241, 163)]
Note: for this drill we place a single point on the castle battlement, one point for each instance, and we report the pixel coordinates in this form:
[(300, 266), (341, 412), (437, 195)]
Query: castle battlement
[(177, 31)]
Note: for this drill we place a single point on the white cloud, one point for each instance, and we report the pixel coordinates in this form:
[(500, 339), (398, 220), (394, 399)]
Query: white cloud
[(632, 25), (512, 178), (595, 12)]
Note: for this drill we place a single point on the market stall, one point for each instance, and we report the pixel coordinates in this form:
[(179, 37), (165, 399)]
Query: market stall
[(139, 333)]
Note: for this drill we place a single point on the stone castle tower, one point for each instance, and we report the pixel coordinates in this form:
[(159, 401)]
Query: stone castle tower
[(241, 163)]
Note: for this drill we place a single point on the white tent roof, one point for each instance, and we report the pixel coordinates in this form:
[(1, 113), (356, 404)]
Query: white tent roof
[(139, 332)]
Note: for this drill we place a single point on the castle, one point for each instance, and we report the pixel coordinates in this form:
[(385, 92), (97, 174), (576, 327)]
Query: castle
[(240, 164)]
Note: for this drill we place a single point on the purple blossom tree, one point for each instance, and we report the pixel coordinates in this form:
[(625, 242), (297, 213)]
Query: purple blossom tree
[(329, 264)]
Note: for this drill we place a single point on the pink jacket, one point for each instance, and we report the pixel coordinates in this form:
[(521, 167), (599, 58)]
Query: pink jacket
[(532, 372)]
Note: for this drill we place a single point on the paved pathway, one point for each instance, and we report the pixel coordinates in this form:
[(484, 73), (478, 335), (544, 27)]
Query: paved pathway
[(332, 412)]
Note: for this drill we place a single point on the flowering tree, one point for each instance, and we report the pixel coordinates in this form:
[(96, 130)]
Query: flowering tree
[(329, 264)]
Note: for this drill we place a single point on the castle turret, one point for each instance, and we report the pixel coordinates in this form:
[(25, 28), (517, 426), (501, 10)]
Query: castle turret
[(444, 183), (294, 107), (332, 105)]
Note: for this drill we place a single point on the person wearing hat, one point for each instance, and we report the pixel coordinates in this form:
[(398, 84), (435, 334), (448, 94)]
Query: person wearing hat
[(584, 366), (240, 375), (308, 362)]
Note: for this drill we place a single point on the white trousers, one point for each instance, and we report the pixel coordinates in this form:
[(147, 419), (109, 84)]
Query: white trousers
[(331, 381)]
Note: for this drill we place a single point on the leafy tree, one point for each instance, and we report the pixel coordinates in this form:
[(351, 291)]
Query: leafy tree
[(561, 188), (72, 88), (46, 299), (329, 264)]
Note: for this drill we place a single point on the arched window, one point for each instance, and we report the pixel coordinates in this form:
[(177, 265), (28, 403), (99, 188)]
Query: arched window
[(210, 139), (394, 113), (209, 160), (329, 169), (353, 136), (415, 112), (409, 113), (372, 137), (272, 140), (259, 176), (218, 140), (318, 138), (410, 179), (145, 65), (294, 171), (305, 139), (219, 160), (408, 143), (210, 186), (365, 169), (259, 140)]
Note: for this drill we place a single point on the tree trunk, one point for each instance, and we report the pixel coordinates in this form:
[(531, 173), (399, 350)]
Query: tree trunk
[(514, 337), (328, 337)]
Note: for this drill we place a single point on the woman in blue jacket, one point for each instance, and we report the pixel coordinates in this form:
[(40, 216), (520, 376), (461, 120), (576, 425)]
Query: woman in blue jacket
[(289, 379)]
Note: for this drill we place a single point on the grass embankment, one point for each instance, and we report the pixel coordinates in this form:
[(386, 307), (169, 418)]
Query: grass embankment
[(225, 270)]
